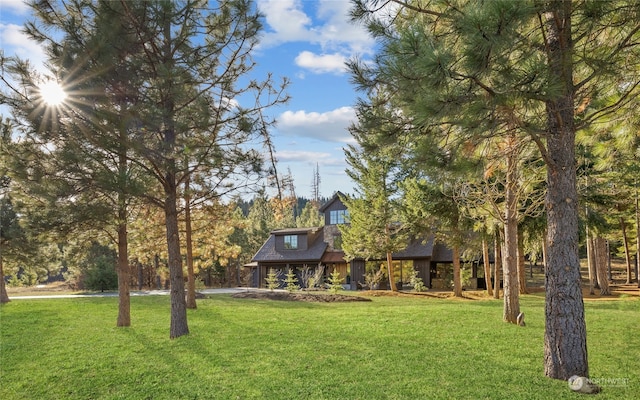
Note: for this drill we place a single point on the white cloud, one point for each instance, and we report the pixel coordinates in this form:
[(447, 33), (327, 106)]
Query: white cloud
[(338, 28), (328, 126), (287, 22), (304, 161), (329, 28), (15, 6), (14, 42), (227, 103), (311, 158), (301, 156), (321, 63)]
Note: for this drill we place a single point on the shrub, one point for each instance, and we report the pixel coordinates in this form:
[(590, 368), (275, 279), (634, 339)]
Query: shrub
[(273, 279), (306, 277), (14, 281), (417, 283), (99, 268), (373, 278), (311, 278), (291, 281), (335, 282), (318, 277)]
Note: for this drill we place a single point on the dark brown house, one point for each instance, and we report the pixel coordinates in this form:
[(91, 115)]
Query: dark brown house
[(311, 248)]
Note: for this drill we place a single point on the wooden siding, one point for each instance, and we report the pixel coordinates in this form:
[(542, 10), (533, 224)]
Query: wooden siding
[(357, 273), (424, 270), (303, 243), (343, 270)]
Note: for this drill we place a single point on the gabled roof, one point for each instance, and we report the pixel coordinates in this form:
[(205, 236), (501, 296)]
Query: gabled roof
[(442, 253), (295, 231), (269, 253), (336, 197)]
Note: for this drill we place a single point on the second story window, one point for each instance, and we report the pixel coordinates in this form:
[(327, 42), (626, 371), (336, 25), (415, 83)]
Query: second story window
[(291, 241), (337, 217)]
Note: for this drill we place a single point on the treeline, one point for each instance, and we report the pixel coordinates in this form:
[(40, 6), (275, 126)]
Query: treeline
[(225, 237), (300, 204)]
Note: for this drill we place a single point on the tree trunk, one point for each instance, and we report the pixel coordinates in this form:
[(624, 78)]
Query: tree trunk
[(4, 296), (391, 272), (510, 257), (510, 275), (565, 338), (124, 296), (609, 274), (179, 325), (545, 251), (522, 272), (191, 280), (602, 257), (591, 264), (497, 266), (156, 265), (457, 281), (487, 266), (627, 252), (140, 269)]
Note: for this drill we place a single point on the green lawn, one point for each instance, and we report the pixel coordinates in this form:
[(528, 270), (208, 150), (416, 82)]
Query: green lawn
[(390, 348)]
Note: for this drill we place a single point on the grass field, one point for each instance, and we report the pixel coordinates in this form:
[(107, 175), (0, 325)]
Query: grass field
[(390, 348)]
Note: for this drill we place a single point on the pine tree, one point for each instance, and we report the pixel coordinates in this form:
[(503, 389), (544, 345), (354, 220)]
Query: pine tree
[(546, 69), (310, 216), (85, 157), (181, 69), (375, 229), (335, 282), (291, 281)]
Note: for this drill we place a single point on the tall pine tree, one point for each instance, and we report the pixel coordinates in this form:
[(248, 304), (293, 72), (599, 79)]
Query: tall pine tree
[(189, 58), (547, 69)]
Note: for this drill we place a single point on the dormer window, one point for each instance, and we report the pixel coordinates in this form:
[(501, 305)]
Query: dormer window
[(291, 242), (337, 217)]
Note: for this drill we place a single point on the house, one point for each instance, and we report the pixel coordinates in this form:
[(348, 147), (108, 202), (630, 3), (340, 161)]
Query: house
[(308, 249)]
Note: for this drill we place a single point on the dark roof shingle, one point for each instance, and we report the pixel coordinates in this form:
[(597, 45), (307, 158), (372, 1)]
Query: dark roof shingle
[(268, 252), (417, 248)]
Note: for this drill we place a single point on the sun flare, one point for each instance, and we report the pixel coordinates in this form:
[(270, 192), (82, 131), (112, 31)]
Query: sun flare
[(52, 93)]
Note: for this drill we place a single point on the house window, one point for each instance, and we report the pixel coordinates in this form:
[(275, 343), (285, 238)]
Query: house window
[(337, 217), (291, 241)]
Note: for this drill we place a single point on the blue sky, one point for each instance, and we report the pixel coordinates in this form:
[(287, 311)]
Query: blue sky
[(307, 41)]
